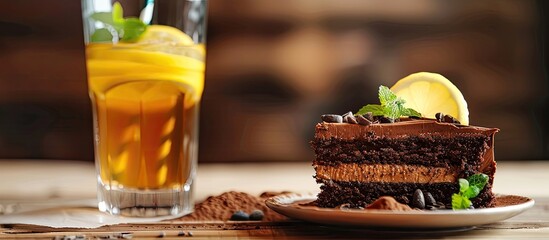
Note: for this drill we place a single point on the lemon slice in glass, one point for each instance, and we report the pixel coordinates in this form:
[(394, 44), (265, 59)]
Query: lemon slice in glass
[(166, 39), (430, 93), (164, 34)]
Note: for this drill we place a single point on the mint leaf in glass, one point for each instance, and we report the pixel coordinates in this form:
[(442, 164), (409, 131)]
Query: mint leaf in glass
[(133, 28), (128, 29), (117, 14), (101, 35), (104, 17)]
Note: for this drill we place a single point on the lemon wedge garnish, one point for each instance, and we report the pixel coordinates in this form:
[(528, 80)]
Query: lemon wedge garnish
[(164, 34), (430, 93)]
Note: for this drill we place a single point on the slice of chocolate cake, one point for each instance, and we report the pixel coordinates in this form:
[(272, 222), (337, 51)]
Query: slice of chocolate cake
[(359, 161)]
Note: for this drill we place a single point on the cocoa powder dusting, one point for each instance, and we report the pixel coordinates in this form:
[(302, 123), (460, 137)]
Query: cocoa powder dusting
[(508, 200), (388, 203), (220, 208)]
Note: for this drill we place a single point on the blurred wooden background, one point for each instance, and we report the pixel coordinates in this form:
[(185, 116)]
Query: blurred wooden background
[(273, 67)]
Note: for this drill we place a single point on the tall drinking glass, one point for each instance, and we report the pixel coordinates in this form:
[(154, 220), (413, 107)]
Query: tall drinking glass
[(145, 61)]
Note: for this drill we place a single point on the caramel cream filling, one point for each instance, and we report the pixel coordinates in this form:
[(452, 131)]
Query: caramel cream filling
[(386, 173)]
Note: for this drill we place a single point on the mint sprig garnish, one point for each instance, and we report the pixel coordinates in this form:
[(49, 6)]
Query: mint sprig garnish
[(391, 106), (468, 188), (116, 26)]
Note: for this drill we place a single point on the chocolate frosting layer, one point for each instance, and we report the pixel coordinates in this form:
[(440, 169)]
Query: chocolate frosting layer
[(346, 131)]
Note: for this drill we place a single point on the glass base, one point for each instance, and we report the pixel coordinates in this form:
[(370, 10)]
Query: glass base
[(145, 203)]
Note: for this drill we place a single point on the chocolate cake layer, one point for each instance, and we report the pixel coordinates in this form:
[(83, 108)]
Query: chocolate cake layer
[(386, 173), (356, 194), (426, 149)]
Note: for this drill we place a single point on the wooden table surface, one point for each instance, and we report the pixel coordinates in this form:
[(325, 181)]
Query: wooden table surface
[(46, 179)]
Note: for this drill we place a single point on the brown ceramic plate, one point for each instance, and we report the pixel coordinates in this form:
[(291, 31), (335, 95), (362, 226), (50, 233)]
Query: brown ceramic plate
[(295, 206)]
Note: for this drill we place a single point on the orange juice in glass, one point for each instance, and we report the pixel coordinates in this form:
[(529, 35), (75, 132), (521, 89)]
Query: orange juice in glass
[(145, 93)]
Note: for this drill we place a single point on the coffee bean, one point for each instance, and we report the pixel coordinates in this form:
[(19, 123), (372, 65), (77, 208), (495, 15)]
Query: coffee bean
[(240, 216), (439, 205), (363, 121), (369, 116), (430, 207), (350, 119), (331, 118), (429, 199), (450, 119), (347, 114), (436, 206), (256, 215), (438, 116), (418, 201), (383, 119)]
